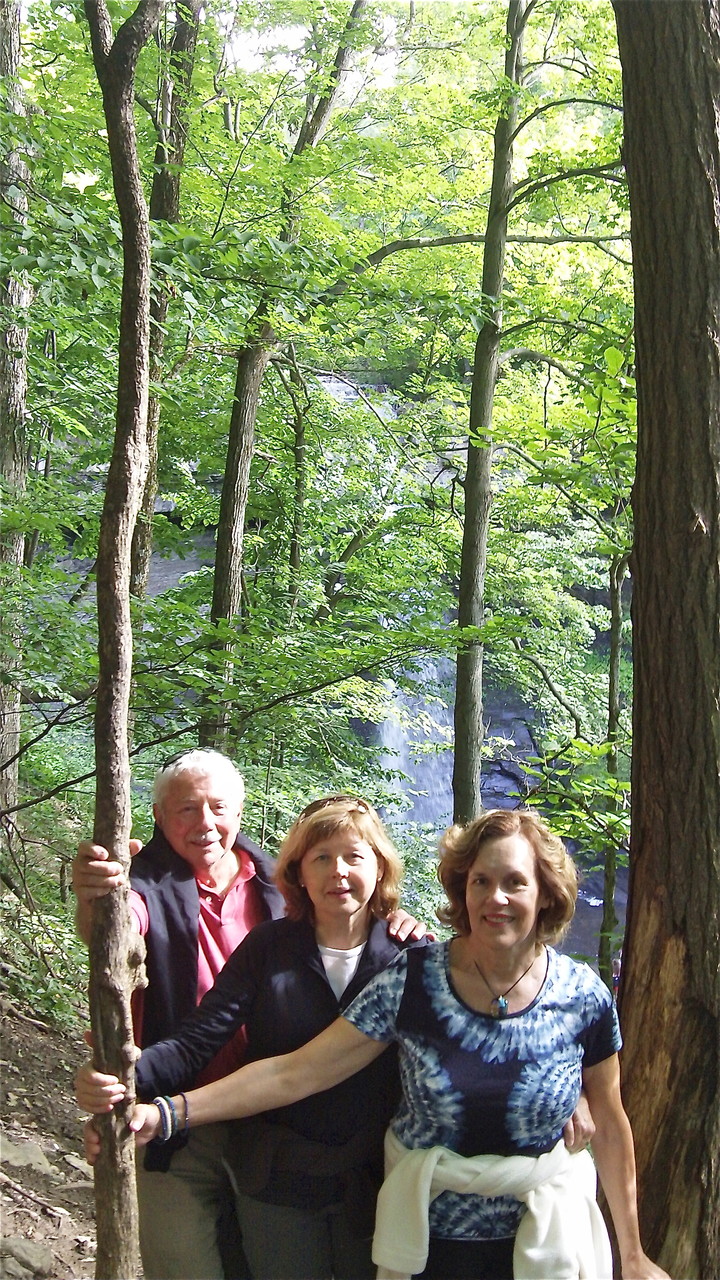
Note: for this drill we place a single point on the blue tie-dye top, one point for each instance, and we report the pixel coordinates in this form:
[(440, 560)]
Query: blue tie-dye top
[(481, 1086)]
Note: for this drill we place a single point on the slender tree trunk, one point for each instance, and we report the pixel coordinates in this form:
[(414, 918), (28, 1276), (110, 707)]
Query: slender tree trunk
[(251, 366), (228, 579), (670, 989), (469, 728), (298, 521), (297, 391), (113, 969), (14, 300), (253, 360), (172, 125)]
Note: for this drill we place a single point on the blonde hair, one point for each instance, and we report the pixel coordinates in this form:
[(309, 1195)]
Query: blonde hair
[(321, 819), (555, 869)]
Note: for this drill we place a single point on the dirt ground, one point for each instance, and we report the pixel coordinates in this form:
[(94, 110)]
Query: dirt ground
[(46, 1188)]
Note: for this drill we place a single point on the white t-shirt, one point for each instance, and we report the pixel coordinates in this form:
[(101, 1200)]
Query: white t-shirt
[(340, 966)]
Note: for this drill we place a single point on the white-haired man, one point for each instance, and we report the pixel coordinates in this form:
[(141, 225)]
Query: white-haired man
[(197, 888)]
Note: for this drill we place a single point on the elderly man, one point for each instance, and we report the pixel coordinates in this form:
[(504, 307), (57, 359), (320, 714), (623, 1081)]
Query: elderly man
[(198, 887)]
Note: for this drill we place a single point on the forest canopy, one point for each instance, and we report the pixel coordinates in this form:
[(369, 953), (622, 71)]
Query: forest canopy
[(319, 185)]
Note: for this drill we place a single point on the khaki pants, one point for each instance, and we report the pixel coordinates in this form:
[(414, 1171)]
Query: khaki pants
[(180, 1210)]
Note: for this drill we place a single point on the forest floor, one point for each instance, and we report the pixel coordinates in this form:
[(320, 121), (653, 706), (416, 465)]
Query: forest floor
[(46, 1188)]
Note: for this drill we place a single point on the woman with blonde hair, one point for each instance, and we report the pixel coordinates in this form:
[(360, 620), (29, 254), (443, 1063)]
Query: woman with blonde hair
[(306, 1175)]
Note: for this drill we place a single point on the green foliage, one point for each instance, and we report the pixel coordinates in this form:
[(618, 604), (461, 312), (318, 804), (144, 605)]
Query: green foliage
[(422, 894), (369, 490), (583, 802), (44, 965)]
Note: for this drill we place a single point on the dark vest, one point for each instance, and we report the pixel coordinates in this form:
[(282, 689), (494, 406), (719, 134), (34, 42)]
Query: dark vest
[(167, 883)]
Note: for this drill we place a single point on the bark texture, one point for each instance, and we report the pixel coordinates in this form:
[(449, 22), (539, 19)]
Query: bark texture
[(469, 727), (670, 998), (14, 302), (113, 969)]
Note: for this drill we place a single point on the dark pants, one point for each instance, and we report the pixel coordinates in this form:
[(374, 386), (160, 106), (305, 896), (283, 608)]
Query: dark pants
[(291, 1244), (469, 1260)]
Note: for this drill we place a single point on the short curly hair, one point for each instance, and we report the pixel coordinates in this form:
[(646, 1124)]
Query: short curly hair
[(321, 819), (555, 869)]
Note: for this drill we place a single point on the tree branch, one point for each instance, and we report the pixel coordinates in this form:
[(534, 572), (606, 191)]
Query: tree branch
[(564, 102), (386, 661), (469, 237), (134, 32), (529, 187), (605, 529), (314, 123), (540, 357), (556, 693)]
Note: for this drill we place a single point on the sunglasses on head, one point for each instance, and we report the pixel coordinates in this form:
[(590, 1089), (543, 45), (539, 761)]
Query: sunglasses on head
[(353, 803)]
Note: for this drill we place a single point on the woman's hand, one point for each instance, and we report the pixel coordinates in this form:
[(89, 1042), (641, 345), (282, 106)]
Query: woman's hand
[(97, 1092), (145, 1123), (580, 1128), (639, 1267)]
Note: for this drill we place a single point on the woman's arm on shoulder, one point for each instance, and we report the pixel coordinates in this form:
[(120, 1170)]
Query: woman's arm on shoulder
[(614, 1155)]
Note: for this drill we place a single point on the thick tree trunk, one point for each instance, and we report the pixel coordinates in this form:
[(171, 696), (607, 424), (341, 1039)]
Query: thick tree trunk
[(469, 728), (670, 995), (173, 126), (113, 970), (14, 300)]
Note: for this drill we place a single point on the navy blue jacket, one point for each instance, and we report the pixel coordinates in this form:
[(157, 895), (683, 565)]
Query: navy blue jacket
[(275, 984), (168, 885)]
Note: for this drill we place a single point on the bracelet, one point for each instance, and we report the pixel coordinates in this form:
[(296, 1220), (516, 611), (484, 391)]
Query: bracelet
[(186, 1124), (168, 1118)]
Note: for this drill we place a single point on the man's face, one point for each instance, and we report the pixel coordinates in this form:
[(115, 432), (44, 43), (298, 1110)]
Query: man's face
[(199, 815)]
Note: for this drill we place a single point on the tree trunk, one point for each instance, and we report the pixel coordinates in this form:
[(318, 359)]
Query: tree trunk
[(300, 400), (670, 990), (14, 301), (113, 970), (227, 580), (253, 360), (469, 728)]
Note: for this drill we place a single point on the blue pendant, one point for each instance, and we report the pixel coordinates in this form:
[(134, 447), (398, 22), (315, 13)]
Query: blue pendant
[(499, 1007)]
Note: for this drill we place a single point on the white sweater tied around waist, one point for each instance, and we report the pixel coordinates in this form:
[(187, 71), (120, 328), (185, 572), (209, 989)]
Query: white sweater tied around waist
[(562, 1234)]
